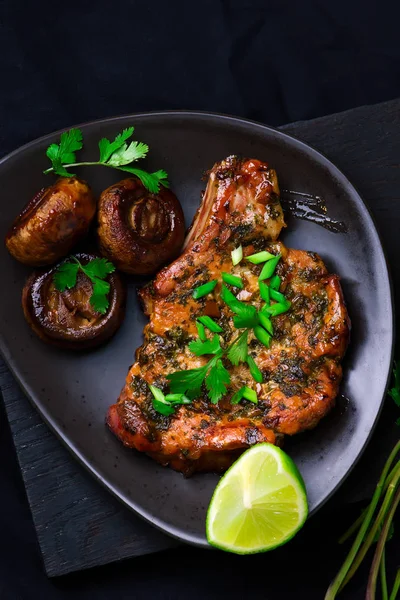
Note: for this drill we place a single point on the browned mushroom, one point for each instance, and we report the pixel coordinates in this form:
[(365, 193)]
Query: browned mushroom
[(67, 319), (52, 222), (139, 231)]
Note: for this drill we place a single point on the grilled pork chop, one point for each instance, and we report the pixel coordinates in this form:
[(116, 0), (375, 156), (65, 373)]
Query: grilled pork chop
[(301, 368)]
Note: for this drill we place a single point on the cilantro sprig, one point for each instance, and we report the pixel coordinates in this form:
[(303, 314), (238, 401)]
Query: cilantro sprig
[(118, 154), (97, 270)]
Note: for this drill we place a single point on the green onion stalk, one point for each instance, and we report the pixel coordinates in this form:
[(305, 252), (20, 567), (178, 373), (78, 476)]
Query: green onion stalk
[(368, 528)]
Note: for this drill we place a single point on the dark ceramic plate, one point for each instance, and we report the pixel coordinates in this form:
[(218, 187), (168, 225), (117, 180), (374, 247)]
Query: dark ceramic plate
[(73, 391)]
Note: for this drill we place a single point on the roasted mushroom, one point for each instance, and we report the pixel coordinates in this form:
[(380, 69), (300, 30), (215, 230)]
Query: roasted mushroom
[(139, 231), (67, 319), (52, 222)]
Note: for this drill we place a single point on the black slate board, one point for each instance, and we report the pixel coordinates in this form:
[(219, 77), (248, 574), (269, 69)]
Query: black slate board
[(79, 525)]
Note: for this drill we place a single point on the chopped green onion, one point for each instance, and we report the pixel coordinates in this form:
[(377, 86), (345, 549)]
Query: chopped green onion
[(277, 309), (275, 282), (266, 322), (177, 399), (278, 297), (262, 335), (260, 257), (250, 395), (237, 396), (159, 402), (264, 291), (233, 280), (269, 268), (244, 392), (245, 322), (237, 255), (210, 324), (254, 370), (201, 331), (204, 289), (157, 393)]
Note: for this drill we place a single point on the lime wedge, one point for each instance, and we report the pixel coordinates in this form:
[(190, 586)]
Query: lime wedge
[(259, 504)]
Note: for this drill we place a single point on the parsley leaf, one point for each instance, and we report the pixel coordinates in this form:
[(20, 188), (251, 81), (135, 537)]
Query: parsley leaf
[(98, 267), (64, 152), (238, 351), (99, 299), (200, 347), (107, 148), (151, 181), (65, 276), (188, 382), (97, 270), (217, 381), (117, 154)]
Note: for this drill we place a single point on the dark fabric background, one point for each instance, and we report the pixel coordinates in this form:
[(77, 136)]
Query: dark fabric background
[(274, 61)]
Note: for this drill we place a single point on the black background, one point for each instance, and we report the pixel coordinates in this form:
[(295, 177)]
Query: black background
[(273, 61)]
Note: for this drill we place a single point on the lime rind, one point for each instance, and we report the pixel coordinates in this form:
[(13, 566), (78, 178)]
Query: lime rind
[(262, 493)]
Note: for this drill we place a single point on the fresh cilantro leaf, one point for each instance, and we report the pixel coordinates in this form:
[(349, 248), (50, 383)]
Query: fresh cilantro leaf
[(65, 276), (394, 392), (98, 267), (238, 351), (97, 270), (199, 347), (151, 181), (217, 380), (191, 379), (127, 154), (117, 154), (64, 152), (99, 299), (246, 322), (107, 148)]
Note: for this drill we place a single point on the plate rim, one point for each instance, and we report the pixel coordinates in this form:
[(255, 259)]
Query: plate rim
[(334, 170)]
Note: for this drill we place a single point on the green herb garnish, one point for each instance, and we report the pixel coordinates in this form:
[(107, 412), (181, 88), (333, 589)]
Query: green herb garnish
[(260, 257), (217, 381), (203, 290), (238, 351), (160, 404), (97, 270), (244, 392), (269, 268), (233, 280), (262, 336), (275, 282), (210, 324), (213, 374), (165, 404), (277, 296), (266, 322), (237, 255), (201, 331), (199, 347), (277, 309), (117, 155), (264, 291), (254, 370)]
